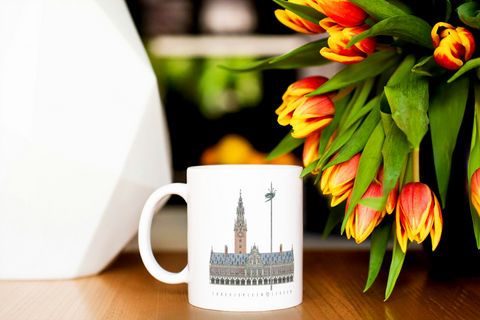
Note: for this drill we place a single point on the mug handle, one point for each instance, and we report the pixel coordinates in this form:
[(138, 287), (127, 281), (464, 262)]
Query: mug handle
[(144, 233)]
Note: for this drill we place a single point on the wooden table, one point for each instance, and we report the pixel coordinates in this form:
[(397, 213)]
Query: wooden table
[(333, 285)]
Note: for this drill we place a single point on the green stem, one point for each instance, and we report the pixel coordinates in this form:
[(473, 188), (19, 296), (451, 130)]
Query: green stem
[(416, 165)]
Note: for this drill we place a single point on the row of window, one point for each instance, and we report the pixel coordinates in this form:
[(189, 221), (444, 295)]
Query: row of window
[(250, 282), (250, 272)]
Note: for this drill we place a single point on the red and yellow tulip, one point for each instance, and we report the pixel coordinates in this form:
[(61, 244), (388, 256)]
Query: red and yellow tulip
[(315, 113), (475, 190), (338, 179), (294, 22), (453, 46), (343, 12), (418, 215), (310, 149), (363, 219), (338, 40), (294, 97)]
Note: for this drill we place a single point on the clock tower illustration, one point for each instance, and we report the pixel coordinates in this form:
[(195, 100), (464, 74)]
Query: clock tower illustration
[(249, 267)]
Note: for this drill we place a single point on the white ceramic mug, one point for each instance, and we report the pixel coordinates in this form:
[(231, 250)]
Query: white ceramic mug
[(245, 236)]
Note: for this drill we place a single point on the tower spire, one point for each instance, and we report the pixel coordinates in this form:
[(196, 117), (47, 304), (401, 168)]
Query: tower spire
[(240, 208)]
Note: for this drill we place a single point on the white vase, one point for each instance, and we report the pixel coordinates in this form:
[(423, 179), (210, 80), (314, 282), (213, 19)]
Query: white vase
[(83, 136)]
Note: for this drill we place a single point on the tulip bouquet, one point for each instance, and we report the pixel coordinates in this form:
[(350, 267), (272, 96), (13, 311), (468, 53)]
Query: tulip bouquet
[(411, 68)]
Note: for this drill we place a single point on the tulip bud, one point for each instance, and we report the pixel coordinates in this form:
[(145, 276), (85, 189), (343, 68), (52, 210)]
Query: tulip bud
[(342, 12), (315, 113), (338, 40), (364, 219), (475, 190), (294, 22), (338, 179), (453, 46), (295, 95), (310, 149), (418, 214)]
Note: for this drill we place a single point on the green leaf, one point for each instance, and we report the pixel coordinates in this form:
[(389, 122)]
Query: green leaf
[(358, 140), (337, 143), (386, 119), (409, 103), (395, 267), (377, 203), (409, 28), (334, 218), (340, 107), (360, 102), (306, 12), (309, 168), (287, 144), (378, 246), (474, 162), (372, 66), (367, 169), (428, 67), (469, 14), (403, 71), (470, 64), (447, 106), (395, 152), (379, 9), (305, 56)]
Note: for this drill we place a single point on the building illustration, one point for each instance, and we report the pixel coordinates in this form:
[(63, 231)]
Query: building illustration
[(252, 268)]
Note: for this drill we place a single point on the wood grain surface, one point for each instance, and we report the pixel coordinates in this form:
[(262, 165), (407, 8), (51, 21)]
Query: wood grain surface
[(333, 285)]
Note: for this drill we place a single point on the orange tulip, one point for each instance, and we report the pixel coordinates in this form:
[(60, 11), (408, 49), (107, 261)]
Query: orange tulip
[(295, 96), (392, 196), (315, 113), (475, 190), (294, 22), (310, 149), (453, 46), (338, 40), (418, 214), (338, 179), (343, 12), (363, 219)]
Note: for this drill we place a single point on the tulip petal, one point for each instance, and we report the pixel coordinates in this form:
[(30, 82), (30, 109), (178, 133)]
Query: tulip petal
[(330, 55), (436, 231), (336, 200), (310, 149), (285, 20), (343, 12), (436, 30), (366, 219), (443, 56), (401, 233), (467, 41)]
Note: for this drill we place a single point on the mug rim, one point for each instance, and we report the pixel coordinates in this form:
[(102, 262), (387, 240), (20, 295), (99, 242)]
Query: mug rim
[(244, 167)]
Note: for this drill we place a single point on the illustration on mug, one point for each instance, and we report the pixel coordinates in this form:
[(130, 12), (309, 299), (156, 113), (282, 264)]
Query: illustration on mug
[(253, 268)]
